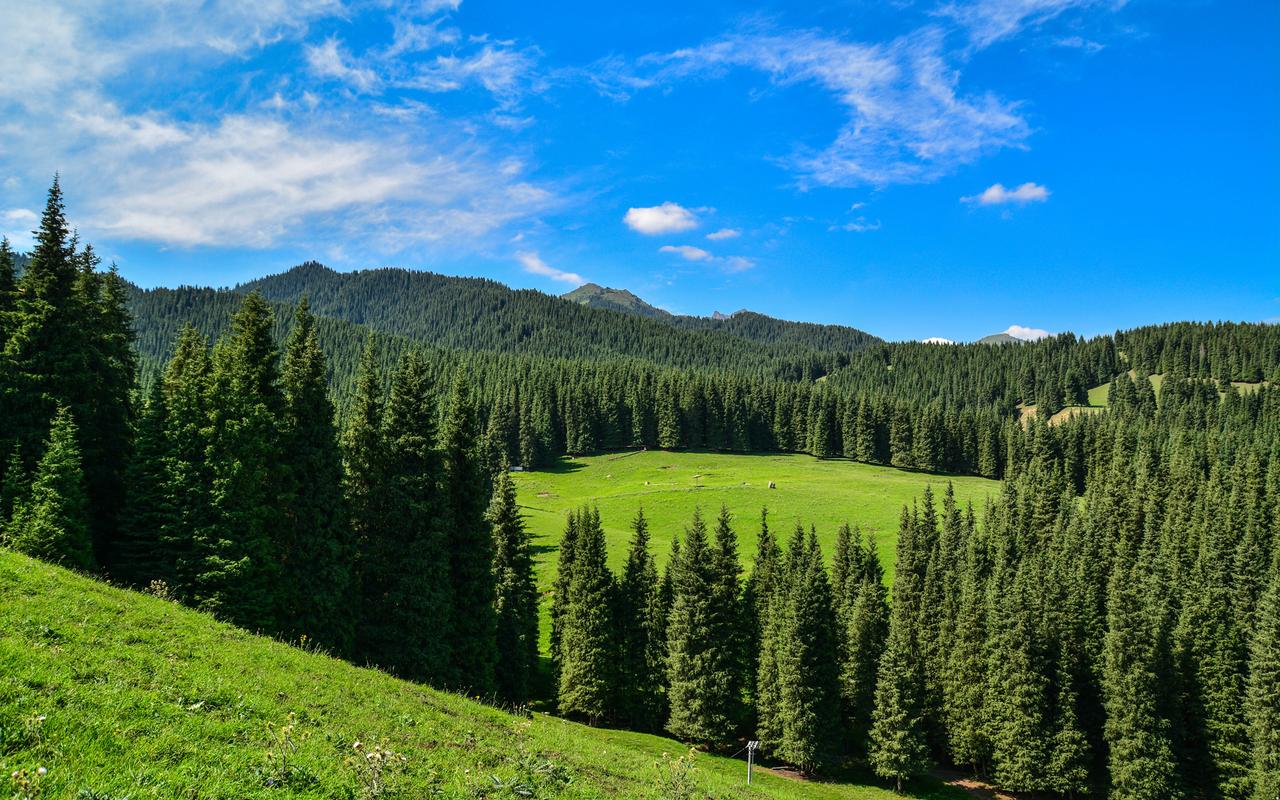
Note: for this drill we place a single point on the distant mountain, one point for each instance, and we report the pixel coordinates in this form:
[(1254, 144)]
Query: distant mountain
[(999, 338), (593, 295), (481, 314), (936, 340)]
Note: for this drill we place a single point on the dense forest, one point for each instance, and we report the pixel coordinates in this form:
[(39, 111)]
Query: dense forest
[(1110, 629)]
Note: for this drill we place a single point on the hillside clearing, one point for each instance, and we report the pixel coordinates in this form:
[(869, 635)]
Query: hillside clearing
[(126, 695), (669, 486)]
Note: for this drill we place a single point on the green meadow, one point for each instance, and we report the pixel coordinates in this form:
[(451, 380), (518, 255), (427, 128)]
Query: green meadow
[(116, 694), (670, 486)]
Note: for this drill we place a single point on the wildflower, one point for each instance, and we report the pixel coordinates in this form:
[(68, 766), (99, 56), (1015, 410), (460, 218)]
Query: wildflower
[(41, 772), (357, 746)]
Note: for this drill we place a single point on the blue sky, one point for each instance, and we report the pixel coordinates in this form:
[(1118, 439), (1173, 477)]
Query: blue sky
[(939, 168)]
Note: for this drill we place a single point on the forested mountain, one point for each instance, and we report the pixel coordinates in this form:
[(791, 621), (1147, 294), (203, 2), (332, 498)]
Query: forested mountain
[(479, 314), (594, 295)]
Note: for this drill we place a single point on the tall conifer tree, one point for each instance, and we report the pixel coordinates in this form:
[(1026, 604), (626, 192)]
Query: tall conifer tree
[(516, 596)]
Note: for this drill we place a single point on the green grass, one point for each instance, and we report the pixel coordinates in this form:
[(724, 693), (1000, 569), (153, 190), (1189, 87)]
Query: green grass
[(670, 486), (126, 695)]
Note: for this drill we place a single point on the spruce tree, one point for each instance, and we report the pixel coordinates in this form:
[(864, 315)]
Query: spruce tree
[(366, 491), (757, 598), (416, 612), (469, 543), (52, 523), (142, 553), (701, 691), (562, 590), (588, 670), (1263, 702), (642, 643), (1142, 764), (865, 628), (898, 742), (239, 573), (187, 475), (730, 640), (898, 748), (807, 670), (317, 573), (516, 595)]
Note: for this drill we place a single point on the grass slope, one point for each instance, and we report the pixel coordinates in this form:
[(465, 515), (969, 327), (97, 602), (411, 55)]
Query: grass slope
[(119, 694), (670, 486)]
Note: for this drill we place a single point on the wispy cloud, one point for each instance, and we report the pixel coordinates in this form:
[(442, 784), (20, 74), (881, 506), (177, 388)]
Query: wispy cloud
[(327, 60), (532, 263), (859, 225), (724, 263), (991, 21), (907, 120), (666, 218), (997, 194), (724, 233)]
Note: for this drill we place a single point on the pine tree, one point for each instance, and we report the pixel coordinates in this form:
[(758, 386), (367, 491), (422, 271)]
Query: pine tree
[(1263, 703), (758, 600), (729, 639), (239, 578), (53, 522), (807, 671), (701, 692), (317, 577), (642, 643), (562, 591), (410, 551), (898, 744), (516, 595), (587, 667), (142, 555), (469, 542), (365, 488), (866, 626), (898, 748), (1142, 764), (187, 476)]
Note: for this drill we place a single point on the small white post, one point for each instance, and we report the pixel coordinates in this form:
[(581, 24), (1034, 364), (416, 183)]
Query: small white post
[(751, 757)]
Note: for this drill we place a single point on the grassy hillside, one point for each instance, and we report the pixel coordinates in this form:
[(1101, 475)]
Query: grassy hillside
[(118, 694), (671, 485)]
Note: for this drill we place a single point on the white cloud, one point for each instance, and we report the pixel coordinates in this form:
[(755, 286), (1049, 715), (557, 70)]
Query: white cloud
[(1026, 334), (907, 120), (723, 263), (997, 194), (687, 252), (16, 225), (328, 61), (724, 233), (990, 21), (19, 215), (534, 264), (288, 166), (666, 218), (252, 181), (936, 340), (506, 73), (859, 225)]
